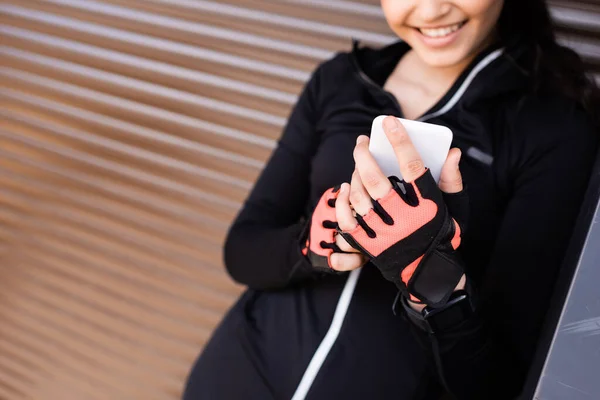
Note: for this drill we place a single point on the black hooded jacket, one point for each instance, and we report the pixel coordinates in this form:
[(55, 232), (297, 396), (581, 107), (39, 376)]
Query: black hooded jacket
[(526, 161)]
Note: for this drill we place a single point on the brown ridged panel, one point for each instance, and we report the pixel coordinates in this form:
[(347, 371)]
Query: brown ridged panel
[(130, 134), (578, 24)]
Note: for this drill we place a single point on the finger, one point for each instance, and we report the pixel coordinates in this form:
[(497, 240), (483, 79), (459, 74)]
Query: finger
[(343, 211), (409, 160), (343, 245), (347, 262), (451, 178), (359, 198), (374, 181)]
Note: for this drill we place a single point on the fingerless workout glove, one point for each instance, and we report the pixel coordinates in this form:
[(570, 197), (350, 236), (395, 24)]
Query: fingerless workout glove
[(411, 237), (321, 230)]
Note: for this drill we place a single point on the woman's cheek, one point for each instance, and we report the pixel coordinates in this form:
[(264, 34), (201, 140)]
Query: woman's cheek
[(483, 15), (396, 13), (480, 7)]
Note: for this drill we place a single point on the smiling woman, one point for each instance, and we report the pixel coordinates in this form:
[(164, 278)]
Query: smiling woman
[(440, 36), (472, 273), (444, 33), (444, 38)]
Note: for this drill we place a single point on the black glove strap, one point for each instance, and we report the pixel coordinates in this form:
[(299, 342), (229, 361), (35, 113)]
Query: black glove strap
[(459, 308), (439, 271), (436, 278)]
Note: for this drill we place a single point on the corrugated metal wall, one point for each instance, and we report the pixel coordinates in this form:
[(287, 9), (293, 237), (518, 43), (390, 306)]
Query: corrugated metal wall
[(131, 131)]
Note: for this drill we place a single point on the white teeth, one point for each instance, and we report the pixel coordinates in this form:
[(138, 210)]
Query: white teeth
[(440, 32)]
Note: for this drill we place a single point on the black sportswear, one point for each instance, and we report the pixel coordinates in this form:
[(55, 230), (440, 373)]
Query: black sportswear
[(526, 160)]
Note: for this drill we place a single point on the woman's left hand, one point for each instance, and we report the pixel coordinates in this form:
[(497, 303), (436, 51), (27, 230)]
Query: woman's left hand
[(406, 214)]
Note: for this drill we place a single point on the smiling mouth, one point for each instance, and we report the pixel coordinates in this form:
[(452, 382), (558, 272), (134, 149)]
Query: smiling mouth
[(441, 31)]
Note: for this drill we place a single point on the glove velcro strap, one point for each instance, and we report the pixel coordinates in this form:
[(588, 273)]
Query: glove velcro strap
[(439, 270), (435, 278)]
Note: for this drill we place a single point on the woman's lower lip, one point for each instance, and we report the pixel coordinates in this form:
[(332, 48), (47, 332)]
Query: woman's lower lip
[(437, 42)]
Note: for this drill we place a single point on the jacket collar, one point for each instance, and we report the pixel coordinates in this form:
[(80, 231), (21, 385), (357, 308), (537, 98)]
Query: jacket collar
[(493, 72)]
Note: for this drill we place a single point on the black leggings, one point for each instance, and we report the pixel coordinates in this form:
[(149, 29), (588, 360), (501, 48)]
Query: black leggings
[(224, 371)]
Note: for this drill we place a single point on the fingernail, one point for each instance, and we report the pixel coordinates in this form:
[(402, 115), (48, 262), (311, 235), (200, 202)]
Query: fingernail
[(457, 158), (360, 139), (344, 188), (391, 124), (333, 260)]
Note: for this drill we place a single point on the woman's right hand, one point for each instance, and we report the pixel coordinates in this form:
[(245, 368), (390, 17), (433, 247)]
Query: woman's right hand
[(351, 259), (324, 248)]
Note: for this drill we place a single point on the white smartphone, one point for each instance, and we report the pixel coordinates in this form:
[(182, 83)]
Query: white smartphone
[(431, 141)]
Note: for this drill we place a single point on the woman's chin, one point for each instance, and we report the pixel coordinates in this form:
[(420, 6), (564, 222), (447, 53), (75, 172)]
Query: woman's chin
[(442, 58)]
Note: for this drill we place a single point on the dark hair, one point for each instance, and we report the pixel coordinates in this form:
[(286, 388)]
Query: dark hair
[(552, 66)]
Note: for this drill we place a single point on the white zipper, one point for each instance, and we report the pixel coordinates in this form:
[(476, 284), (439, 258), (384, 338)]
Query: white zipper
[(330, 337)]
